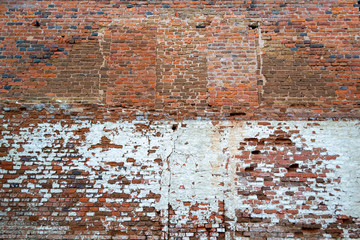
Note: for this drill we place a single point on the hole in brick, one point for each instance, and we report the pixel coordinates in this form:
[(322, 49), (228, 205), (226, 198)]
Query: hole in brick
[(256, 152), (237, 114), (253, 25), (250, 168), (36, 23), (174, 127), (293, 167)]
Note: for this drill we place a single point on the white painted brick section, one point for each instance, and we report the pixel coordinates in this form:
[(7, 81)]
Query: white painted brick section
[(199, 168)]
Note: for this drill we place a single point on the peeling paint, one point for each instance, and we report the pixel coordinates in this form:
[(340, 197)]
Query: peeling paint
[(228, 175)]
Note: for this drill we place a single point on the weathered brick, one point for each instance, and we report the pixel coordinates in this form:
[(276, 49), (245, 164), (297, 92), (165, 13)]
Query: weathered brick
[(97, 107)]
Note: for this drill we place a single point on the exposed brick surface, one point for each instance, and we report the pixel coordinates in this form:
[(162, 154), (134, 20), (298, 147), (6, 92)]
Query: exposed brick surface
[(175, 119), (181, 59), (132, 65)]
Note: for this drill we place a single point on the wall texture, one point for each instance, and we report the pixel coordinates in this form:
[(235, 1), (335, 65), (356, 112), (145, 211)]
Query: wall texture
[(180, 119)]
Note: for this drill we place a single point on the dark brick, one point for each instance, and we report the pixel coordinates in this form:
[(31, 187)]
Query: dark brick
[(317, 45), (76, 172)]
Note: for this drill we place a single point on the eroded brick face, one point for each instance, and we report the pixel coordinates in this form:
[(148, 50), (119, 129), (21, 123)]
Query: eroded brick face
[(179, 119)]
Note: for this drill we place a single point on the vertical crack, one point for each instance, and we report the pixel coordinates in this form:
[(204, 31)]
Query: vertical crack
[(166, 229), (262, 79), (103, 66), (101, 48)]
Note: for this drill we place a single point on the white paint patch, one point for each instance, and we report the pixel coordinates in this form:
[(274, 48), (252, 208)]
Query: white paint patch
[(341, 139), (339, 195), (196, 174), (197, 171)]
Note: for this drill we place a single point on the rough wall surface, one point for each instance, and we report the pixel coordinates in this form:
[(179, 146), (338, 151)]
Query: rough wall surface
[(203, 179), (179, 119), (183, 59)]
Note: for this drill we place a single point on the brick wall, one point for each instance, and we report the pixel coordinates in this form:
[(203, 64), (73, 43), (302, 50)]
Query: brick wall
[(179, 119)]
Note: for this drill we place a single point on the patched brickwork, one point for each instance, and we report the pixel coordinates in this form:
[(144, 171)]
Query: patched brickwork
[(179, 119), (306, 63), (132, 64), (182, 64)]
